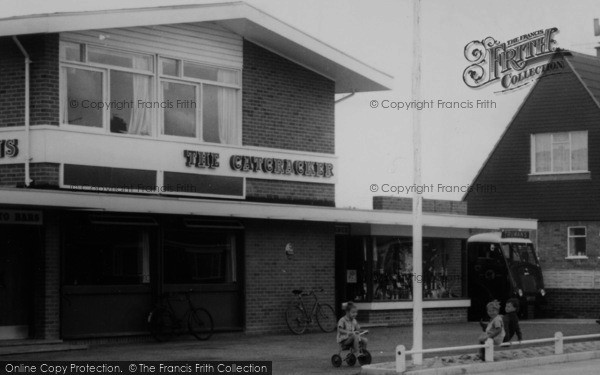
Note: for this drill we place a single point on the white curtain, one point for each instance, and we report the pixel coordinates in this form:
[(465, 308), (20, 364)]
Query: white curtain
[(229, 127), (579, 151), (140, 120), (543, 145)]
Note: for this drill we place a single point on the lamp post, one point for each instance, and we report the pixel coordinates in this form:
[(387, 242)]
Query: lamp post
[(417, 202)]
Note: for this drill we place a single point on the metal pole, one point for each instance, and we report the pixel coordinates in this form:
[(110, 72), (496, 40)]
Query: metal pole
[(417, 229)]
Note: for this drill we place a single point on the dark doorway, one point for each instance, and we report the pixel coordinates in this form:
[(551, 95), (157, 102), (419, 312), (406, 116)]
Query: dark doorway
[(17, 249)]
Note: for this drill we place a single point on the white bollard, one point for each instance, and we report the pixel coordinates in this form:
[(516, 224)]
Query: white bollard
[(400, 359), (558, 343), (489, 350)]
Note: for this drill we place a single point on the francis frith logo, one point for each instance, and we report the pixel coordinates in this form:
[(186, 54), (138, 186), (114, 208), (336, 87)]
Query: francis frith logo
[(514, 63)]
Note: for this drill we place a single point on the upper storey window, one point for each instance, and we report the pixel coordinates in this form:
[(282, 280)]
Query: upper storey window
[(565, 152), (126, 92)]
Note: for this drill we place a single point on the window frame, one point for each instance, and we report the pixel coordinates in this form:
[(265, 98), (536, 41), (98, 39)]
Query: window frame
[(551, 172), (570, 255), (157, 95)]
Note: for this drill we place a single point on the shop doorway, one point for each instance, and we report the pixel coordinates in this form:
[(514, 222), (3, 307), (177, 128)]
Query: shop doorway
[(17, 249)]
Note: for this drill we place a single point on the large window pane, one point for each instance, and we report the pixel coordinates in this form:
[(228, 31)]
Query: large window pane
[(198, 257), (117, 58), (180, 119), (83, 97), (579, 151), (543, 144), (102, 255), (130, 97), (220, 115)]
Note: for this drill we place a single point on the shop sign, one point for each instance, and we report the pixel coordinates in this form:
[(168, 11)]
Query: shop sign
[(280, 166), (21, 217), (245, 163), (9, 148)]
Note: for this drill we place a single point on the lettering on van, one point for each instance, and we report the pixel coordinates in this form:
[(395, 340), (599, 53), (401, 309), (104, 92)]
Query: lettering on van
[(515, 234), (9, 148)]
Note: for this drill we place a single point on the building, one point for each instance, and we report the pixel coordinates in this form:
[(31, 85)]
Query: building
[(175, 149), (545, 166)]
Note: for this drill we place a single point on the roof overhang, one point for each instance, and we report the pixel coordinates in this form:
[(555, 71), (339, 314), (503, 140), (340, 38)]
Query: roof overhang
[(349, 74), (250, 210)]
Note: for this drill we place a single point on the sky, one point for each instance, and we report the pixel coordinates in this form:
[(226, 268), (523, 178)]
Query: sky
[(374, 145)]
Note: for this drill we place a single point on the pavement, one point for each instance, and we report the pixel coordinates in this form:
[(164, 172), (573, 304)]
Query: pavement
[(305, 354)]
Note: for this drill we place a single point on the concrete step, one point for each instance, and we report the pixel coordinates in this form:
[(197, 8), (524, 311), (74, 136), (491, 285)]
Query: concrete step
[(12, 347)]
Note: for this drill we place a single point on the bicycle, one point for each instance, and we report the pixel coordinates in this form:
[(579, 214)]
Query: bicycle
[(163, 323), (298, 317)]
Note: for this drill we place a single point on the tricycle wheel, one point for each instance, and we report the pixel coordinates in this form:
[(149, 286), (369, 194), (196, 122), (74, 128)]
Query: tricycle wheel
[(351, 359), (365, 358), (336, 360)]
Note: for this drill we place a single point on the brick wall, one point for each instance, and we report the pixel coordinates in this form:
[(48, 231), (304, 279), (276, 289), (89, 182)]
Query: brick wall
[(44, 80), (573, 303), (404, 317), (290, 192), (553, 245), (47, 295), (42, 174), (285, 105), (270, 276), (429, 205)]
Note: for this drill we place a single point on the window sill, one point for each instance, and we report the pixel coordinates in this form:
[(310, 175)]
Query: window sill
[(577, 257), (570, 176)]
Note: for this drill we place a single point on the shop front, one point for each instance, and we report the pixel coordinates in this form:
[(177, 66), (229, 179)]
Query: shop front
[(117, 266)]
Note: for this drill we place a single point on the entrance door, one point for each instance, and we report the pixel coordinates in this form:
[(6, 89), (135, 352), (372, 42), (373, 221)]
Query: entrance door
[(16, 280)]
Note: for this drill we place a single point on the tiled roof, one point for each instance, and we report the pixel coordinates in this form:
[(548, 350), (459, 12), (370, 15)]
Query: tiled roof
[(588, 69)]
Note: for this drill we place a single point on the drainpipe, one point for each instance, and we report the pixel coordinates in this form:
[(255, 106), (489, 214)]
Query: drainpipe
[(27, 140)]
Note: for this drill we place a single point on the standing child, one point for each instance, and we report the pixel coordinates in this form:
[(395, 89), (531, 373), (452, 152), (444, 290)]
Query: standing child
[(511, 320), (347, 326), (494, 329)]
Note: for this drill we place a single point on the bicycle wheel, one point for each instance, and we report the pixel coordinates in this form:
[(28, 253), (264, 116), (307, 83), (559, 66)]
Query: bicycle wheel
[(295, 317), (161, 324), (200, 324), (326, 318)]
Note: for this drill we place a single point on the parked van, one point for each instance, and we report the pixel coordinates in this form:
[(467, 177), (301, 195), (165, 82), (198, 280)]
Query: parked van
[(503, 265)]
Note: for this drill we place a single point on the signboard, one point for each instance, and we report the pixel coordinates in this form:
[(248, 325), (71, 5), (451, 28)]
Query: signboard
[(21, 217), (351, 276), (260, 164), (9, 148), (515, 234)]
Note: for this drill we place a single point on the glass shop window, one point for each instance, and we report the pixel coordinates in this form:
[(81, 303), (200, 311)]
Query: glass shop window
[(197, 257), (106, 255)]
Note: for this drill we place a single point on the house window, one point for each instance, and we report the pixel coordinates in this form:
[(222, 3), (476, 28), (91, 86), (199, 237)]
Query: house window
[(577, 241), (559, 152), (124, 92)]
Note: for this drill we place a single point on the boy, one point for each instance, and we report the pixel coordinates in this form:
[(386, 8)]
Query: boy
[(511, 321), (494, 329), (347, 326)]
